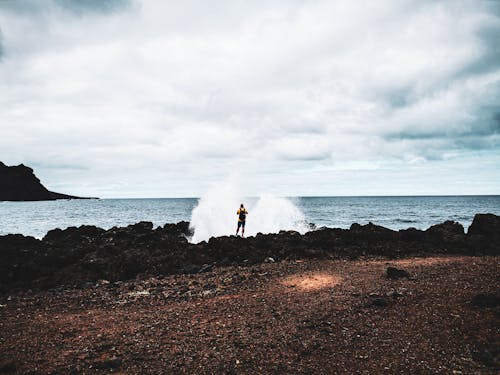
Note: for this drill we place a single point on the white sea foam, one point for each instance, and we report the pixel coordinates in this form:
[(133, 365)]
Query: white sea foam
[(215, 214)]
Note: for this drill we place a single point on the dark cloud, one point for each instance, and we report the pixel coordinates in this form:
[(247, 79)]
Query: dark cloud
[(496, 122), (24, 7), (453, 135), (77, 7), (93, 6), (476, 143), (481, 134), (2, 51), (489, 58), (490, 120), (416, 135)]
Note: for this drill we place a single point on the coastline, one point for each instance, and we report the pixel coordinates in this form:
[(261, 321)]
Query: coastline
[(37, 218), (76, 256), (142, 300)]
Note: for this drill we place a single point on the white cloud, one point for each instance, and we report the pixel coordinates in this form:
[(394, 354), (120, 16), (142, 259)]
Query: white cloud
[(158, 97)]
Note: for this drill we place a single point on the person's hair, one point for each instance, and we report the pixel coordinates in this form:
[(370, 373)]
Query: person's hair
[(241, 205)]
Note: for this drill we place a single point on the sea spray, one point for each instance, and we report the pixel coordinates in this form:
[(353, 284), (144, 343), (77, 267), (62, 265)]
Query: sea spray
[(271, 214), (215, 214), (216, 211)]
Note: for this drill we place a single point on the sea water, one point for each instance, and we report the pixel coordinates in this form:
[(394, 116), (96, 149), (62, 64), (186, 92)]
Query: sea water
[(216, 214)]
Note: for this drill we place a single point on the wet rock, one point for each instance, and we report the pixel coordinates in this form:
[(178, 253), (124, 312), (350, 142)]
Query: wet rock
[(486, 300), (396, 273), (184, 228)]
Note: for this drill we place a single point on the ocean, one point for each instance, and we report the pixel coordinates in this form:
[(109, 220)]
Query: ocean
[(266, 214)]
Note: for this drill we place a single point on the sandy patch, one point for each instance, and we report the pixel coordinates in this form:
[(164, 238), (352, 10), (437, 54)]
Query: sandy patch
[(311, 281)]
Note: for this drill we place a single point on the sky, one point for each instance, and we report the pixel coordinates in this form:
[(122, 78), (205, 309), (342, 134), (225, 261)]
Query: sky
[(129, 98)]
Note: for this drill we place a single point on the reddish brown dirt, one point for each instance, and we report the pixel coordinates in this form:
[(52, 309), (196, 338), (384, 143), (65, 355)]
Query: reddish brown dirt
[(290, 317)]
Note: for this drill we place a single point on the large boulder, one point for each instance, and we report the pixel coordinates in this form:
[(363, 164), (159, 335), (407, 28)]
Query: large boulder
[(486, 225), (396, 273), (484, 234), (449, 233)]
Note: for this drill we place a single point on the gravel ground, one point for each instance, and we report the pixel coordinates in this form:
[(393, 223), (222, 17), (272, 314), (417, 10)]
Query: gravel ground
[(306, 316)]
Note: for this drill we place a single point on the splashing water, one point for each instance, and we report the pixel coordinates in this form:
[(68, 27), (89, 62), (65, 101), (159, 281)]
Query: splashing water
[(215, 214), (272, 214)]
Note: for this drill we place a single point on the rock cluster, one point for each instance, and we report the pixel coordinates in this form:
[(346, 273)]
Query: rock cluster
[(76, 256)]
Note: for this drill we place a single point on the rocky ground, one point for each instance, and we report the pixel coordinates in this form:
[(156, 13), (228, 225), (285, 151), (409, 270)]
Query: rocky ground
[(79, 256), (361, 300), (432, 315)]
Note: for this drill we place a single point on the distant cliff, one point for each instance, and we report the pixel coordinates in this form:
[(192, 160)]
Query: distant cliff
[(19, 183)]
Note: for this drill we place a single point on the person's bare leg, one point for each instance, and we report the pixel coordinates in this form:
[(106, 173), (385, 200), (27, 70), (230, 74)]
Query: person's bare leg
[(243, 231)]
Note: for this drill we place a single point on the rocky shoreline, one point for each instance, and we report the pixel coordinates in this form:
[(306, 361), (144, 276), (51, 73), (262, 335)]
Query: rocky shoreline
[(139, 300), (78, 257)]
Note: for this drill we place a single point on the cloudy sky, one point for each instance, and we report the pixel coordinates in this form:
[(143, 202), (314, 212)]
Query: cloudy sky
[(163, 98)]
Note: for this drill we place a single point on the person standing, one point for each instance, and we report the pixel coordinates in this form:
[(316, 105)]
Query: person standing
[(242, 216)]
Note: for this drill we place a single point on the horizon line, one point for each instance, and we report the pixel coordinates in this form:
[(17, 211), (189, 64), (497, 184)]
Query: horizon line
[(329, 196)]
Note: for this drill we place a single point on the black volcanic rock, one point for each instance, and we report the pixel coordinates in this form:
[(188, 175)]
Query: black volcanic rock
[(19, 183), (396, 273), (449, 231), (484, 234), (76, 256), (485, 224)]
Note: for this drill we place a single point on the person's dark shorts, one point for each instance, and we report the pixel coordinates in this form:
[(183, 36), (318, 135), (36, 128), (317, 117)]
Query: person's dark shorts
[(241, 224)]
